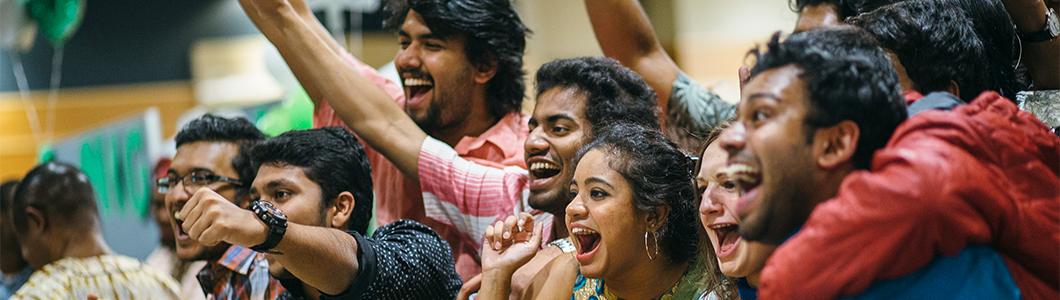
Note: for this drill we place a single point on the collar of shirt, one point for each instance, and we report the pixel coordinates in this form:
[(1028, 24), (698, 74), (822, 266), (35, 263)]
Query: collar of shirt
[(911, 96), (506, 136)]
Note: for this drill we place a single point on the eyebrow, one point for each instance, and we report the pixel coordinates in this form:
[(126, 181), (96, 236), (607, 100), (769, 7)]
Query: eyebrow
[(757, 96), (432, 35), (556, 117), (598, 180)]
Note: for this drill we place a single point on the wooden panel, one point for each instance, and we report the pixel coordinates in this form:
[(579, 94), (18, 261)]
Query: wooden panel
[(80, 109)]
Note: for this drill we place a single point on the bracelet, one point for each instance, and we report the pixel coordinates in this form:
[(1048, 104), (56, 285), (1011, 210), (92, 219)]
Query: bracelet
[(564, 245)]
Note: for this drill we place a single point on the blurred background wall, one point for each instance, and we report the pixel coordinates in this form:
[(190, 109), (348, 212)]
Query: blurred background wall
[(130, 55)]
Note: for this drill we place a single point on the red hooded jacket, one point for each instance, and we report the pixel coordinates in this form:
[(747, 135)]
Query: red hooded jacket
[(985, 173)]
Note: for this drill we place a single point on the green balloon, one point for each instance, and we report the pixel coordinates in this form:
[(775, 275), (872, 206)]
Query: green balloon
[(294, 113), (58, 19)]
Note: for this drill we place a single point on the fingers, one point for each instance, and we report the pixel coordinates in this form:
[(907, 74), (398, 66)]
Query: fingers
[(510, 224), (493, 235), (525, 219), (536, 238), (745, 76)]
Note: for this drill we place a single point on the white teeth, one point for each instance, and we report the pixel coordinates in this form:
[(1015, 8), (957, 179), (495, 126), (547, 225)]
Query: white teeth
[(721, 226), (581, 231), (542, 166), (742, 172), (417, 82)]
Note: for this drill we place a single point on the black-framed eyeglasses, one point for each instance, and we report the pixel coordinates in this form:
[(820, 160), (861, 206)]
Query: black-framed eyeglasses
[(193, 181)]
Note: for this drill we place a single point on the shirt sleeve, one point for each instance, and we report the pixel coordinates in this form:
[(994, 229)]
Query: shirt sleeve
[(403, 260), (464, 194), (693, 112)]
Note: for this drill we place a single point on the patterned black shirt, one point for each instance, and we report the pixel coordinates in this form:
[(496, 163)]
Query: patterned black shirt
[(402, 260)]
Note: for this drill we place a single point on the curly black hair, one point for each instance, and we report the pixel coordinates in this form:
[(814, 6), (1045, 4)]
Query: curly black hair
[(494, 32), (945, 28), (615, 94), (848, 78), (330, 157), (660, 174), (239, 131), (60, 191)]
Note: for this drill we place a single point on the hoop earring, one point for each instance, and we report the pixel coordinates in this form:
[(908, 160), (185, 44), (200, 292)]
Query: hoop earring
[(654, 237)]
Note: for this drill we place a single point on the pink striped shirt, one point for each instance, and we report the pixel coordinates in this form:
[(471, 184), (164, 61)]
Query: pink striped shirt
[(470, 196)]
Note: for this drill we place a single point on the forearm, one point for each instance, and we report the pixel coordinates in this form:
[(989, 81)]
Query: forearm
[(1043, 58), (496, 284), (625, 34), (360, 103), (324, 258)]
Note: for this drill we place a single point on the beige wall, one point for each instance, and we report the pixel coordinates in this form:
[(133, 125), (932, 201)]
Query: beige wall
[(708, 40), (80, 109)]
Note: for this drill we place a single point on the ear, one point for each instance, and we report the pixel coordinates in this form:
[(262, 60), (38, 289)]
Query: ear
[(657, 217), (341, 209), (36, 224), (836, 145), (954, 89), (485, 69)]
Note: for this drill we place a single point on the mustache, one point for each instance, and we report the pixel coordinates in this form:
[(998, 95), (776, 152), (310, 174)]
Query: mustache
[(407, 73)]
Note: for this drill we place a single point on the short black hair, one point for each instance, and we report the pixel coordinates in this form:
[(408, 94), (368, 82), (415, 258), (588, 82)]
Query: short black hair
[(61, 192), (660, 174), (332, 158), (989, 21), (238, 131), (848, 78), (7, 191), (847, 8), (494, 32), (614, 93)]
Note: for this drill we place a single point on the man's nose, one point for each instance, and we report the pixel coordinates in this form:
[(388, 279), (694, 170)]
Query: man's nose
[(733, 139)]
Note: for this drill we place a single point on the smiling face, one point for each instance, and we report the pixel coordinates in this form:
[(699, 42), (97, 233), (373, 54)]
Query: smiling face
[(557, 130), (202, 156), (736, 256), (608, 231), (288, 189), (771, 157), (436, 74)]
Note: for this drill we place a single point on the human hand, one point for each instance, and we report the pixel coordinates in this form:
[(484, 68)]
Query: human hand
[(472, 285), (211, 219), (511, 243), (745, 76)]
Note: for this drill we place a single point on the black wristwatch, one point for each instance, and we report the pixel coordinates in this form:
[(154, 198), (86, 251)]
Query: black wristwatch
[(1050, 32), (275, 219)]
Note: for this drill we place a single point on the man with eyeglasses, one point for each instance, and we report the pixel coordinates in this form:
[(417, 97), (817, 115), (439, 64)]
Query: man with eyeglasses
[(212, 160)]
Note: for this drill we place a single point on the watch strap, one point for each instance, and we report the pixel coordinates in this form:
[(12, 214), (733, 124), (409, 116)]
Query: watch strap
[(564, 245), (1048, 32)]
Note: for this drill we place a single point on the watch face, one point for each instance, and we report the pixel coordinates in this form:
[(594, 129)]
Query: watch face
[(267, 207), (1053, 24)]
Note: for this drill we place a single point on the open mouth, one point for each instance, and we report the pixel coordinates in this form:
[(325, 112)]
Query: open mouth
[(745, 176), (542, 170), (588, 241), (748, 178), (416, 89), (728, 238)]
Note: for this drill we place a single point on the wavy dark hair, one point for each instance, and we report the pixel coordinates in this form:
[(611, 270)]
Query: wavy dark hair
[(659, 174), (848, 78), (990, 22), (614, 94), (494, 32), (60, 191), (332, 158), (239, 131)]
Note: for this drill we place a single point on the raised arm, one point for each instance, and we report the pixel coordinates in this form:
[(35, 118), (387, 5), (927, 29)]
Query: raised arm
[(1042, 58), (361, 104), (624, 33)]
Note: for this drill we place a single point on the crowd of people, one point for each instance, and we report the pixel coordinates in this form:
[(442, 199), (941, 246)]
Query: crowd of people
[(879, 151)]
